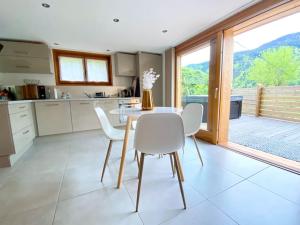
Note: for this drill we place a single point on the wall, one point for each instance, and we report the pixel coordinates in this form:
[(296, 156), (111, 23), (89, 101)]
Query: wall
[(145, 62), (119, 83), (169, 76)]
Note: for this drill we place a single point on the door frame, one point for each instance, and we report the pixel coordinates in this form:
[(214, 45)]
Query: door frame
[(215, 41)]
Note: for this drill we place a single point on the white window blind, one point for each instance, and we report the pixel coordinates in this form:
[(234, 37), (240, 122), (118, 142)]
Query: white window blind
[(71, 69), (97, 70)]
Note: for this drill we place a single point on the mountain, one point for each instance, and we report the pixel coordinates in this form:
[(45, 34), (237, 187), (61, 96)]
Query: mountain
[(244, 58)]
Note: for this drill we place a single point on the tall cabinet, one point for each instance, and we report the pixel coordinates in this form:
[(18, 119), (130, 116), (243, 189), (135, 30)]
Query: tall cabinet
[(146, 61)]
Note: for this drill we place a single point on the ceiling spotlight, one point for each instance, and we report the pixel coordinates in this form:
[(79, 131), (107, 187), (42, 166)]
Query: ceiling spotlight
[(108, 50), (45, 5), (116, 20), (55, 43), (164, 31)]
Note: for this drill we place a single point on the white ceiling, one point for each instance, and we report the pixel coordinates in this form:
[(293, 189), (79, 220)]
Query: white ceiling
[(87, 24)]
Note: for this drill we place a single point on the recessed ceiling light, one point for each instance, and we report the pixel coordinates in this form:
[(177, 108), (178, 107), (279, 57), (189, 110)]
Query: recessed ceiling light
[(45, 5), (164, 31), (116, 20)]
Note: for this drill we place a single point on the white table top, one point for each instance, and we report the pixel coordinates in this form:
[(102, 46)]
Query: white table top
[(136, 112)]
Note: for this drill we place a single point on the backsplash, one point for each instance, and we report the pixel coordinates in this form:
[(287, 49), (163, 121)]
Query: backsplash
[(12, 79)]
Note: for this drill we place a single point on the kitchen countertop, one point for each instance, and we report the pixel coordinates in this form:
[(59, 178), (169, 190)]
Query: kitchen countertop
[(71, 99)]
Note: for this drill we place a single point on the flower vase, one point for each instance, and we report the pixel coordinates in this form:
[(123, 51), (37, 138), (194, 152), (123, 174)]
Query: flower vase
[(147, 100)]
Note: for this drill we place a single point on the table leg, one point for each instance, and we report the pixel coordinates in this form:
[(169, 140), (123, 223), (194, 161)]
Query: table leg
[(124, 150), (180, 173)]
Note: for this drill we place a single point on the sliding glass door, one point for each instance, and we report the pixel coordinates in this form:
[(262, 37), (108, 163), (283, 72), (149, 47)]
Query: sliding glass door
[(197, 82)]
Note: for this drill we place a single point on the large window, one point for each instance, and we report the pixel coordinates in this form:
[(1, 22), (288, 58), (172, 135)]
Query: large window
[(80, 68)]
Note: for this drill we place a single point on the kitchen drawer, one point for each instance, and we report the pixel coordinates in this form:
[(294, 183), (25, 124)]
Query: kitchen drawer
[(53, 117), (84, 116), (20, 120), (16, 108), (23, 138)]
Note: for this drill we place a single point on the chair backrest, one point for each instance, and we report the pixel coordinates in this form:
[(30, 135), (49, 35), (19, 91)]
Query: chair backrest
[(192, 118), (159, 133), (105, 124)]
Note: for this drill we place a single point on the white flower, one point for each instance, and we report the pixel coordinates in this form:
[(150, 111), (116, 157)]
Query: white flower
[(149, 78)]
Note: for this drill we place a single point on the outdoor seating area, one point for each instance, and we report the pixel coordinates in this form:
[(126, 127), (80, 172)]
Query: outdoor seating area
[(277, 137)]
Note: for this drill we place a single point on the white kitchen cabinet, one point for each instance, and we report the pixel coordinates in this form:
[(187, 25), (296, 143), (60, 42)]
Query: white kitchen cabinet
[(84, 116), (125, 64), (24, 49), (17, 131), (53, 117), (15, 64)]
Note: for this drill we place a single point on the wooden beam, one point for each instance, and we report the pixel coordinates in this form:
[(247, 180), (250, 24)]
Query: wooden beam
[(225, 86)]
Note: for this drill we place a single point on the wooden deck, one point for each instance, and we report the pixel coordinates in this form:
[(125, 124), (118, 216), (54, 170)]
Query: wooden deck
[(278, 137)]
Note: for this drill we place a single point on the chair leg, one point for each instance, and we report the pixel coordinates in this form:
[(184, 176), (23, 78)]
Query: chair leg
[(179, 179), (106, 159), (194, 138), (140, 181), (138, 162), (179, 167), (172, 165)]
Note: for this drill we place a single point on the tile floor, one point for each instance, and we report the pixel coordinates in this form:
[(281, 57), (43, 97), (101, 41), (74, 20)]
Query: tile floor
[(58, 182)]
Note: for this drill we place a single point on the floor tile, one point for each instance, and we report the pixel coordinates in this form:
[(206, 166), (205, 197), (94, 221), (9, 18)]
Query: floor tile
[(40, 216), (279, 181), (81, 180), (106, 207), (209, 179), (249, 204), (205, 214), (19, 194)]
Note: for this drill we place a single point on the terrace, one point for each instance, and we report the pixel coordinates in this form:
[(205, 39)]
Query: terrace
[(270, 120)]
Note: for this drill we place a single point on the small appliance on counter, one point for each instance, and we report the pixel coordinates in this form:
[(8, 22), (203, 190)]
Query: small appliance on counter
[(100, 94)]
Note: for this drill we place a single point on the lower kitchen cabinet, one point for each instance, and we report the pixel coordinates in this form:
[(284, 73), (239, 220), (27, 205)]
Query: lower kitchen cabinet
[(84, 116), (17, 126), (53, 117)]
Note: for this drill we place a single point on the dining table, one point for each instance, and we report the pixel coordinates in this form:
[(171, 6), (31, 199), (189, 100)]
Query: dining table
[(132, 114)]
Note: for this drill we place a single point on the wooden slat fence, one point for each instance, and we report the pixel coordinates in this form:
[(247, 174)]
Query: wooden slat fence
[(282, 102), (249, 99)]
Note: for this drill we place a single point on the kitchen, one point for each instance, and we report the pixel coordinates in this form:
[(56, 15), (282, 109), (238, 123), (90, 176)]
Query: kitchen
[(37, 96)]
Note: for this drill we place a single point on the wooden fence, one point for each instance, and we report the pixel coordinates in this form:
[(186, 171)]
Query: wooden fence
[(282, 102)]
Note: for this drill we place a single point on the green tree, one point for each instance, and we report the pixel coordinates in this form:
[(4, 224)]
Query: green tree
[(194, 82), (276, 67)]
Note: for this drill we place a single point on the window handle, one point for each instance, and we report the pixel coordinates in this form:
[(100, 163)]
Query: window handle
[(216, 92)]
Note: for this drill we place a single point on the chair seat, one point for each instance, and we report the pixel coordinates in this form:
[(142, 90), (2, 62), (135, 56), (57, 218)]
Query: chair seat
[(117, 134)]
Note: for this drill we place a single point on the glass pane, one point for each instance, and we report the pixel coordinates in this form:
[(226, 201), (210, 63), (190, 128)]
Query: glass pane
[(97, 70), (71, 69), (194, 80)]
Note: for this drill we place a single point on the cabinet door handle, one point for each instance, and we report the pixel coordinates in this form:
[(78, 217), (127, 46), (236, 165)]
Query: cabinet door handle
[(22, 107), (84, 103), (21, 52), (22, 67), (52, 104), (23, 115), (25, 132)]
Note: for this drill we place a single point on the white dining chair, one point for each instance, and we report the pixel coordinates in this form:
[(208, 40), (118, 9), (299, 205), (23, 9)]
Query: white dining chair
[(192, 118), (160, 133), (110, 132)]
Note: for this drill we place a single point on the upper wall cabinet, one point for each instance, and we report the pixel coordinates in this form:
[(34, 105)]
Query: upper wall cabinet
[(125, 64), (23, 57)]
